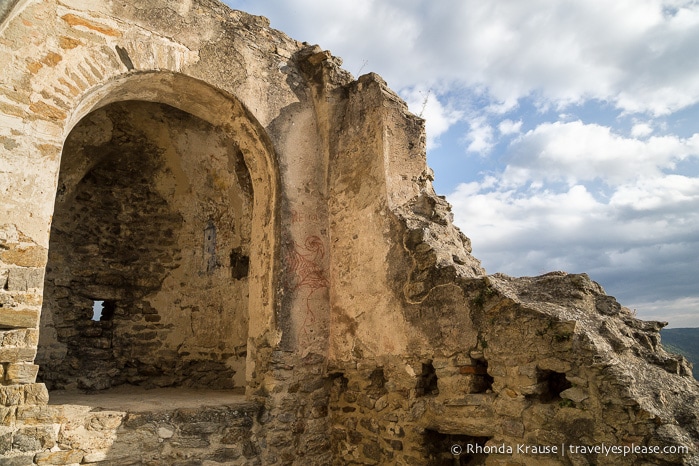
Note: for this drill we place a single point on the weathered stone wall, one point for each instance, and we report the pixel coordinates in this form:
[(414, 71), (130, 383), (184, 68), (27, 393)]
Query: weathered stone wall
[(528, 379), (228, 191), (152, 218), (492, 361)]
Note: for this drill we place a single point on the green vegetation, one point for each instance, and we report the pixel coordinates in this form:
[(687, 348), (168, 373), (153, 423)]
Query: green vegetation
[(484, 294)]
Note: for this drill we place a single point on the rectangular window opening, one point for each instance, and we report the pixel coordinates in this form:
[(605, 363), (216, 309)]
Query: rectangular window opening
[(97, 308), (102, 310)]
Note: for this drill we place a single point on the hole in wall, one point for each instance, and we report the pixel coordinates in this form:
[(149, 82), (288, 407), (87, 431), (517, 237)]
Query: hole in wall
[(553, 383), (240, 264), (339, 385), (377, 383), (377, 378), (427, 383), (103, 310), (482, 381), (97, 310)]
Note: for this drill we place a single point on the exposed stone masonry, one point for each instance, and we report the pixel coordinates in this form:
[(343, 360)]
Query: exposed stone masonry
[(539, 382), (221, 433), (124, 208)]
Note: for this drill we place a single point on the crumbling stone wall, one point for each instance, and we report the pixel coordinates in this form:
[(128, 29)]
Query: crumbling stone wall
[(173, 158), (151, 429), (428, 352), (528, 380)]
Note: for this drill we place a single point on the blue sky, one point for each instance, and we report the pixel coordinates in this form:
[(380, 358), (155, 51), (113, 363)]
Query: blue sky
[(565, 134)]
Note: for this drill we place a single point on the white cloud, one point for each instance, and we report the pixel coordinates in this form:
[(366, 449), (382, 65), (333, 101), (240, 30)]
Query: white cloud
[(666, 195), (575, 151), (641, 130), (498, 216), (439, 118), (507, 127), (480, 136), (638, 54)]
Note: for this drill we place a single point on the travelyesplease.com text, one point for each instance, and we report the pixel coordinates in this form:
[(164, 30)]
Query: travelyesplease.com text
[(566, 449)]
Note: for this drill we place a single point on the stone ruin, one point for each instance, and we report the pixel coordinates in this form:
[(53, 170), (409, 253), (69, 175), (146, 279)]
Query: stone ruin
[(218, 247)]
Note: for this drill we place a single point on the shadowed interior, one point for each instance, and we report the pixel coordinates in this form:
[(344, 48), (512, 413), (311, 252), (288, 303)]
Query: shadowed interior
[(153, 218)]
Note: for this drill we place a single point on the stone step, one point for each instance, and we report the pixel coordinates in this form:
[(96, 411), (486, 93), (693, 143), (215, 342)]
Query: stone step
[(164, 426)]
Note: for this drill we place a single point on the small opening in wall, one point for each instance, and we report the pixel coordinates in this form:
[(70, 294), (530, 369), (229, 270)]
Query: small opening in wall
[(102, 310), (240, 264), (553, 384), (377, 378), (427, 383), (97, 307), (482, 381), (378, 381)]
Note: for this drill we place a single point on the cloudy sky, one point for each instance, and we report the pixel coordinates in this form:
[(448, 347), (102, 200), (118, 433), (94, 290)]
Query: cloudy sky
[(565, 134)]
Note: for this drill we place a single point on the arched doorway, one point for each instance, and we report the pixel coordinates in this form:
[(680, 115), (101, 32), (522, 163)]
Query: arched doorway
[(147, 278)]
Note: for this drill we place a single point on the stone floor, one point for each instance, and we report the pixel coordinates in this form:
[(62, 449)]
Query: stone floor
[(137, 399)]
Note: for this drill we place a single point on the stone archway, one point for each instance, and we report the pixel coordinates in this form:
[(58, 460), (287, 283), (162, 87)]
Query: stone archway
[(185, 160), (152, 222), (71, 60)]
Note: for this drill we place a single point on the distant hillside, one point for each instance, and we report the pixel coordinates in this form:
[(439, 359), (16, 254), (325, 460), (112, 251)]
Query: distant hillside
[(684, 341)]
